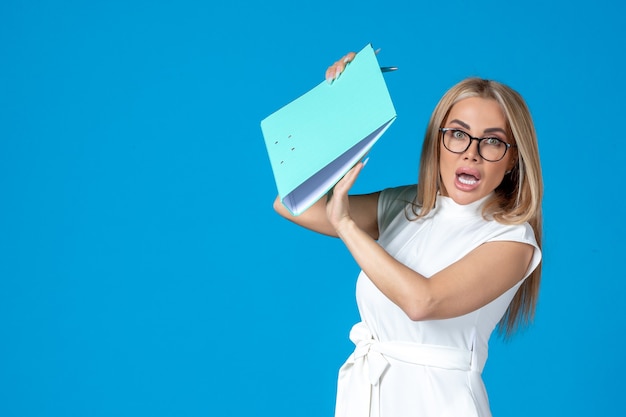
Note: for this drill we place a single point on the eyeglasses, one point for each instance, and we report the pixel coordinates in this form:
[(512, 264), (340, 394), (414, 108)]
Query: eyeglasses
[(458, 141)]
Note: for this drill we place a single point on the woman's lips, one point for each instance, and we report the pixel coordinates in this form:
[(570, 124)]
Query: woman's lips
[(467, 179)]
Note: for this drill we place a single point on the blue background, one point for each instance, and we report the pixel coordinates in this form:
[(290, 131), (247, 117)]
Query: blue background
[(142, 268)]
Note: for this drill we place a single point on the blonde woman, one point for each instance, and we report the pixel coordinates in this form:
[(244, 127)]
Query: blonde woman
[(444, 262)]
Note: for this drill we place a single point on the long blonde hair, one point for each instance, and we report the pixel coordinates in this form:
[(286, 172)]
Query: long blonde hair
[(516, 200)]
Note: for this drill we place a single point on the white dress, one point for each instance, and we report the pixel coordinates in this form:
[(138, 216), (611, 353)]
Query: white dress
[(403, 368)]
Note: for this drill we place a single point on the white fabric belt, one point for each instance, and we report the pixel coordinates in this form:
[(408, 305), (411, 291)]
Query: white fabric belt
[(361, 373)]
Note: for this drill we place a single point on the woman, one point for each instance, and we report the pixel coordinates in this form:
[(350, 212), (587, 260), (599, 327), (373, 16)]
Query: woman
[(443, 262)]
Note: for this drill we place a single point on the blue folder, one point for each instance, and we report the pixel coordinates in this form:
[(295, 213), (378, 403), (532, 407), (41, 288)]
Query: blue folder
[(314, 140)]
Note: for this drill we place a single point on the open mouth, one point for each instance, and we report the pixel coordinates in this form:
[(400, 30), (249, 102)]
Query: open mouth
[(467, 179)]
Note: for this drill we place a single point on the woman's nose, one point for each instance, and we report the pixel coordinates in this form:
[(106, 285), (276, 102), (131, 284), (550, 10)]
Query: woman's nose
[(472, 152)]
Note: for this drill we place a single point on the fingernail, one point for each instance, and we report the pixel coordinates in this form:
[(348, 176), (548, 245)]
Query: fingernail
[(346, 60), (337, 74), (365, 160)]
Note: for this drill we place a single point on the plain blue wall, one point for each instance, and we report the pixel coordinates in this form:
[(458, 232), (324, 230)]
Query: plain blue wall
[(142, 269)]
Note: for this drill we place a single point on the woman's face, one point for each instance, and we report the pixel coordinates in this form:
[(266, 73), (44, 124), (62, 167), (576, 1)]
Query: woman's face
[(467, 177)]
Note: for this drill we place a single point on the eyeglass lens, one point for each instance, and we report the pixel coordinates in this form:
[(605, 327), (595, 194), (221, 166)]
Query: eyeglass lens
[(458, 141)]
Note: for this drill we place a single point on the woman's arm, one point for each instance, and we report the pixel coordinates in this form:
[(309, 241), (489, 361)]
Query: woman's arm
[(472, 282), (364, 211)]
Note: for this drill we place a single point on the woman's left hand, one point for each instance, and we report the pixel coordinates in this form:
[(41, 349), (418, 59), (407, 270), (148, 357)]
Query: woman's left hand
[(334, 71), (337, 204)]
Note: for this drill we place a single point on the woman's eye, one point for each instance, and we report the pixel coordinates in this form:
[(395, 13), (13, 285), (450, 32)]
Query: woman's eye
[(493, 142), (457, 134)]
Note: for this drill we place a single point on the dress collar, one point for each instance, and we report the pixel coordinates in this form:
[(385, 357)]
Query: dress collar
[(447, 206)]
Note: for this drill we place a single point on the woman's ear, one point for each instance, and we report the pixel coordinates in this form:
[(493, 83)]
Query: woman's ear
[(510, 167), (512, 162)]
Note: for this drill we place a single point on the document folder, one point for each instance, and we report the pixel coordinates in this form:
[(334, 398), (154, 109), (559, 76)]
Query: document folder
[(313, 141)]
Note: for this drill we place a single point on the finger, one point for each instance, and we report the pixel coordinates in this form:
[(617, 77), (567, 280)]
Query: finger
[(334, 71), (349, 57), (343, 63), (348, 180)]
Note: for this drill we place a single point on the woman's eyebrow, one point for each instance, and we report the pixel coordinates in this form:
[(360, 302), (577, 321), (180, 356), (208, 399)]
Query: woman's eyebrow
[(489, 130), (495, 129), (457, 121)]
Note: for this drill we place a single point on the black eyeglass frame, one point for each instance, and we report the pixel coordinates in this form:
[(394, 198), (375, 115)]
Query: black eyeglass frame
[(443, 131)]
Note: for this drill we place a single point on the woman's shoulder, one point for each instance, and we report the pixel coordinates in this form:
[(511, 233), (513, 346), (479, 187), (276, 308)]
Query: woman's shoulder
[(392, 201), (403, 195), (523, 232)]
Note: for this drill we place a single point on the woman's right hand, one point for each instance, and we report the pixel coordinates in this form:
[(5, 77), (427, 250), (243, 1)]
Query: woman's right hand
[(334, 71)]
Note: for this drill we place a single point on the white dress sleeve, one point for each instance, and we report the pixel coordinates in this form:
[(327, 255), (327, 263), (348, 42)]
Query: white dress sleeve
[(522, 233)]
